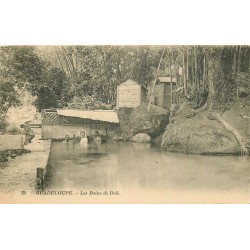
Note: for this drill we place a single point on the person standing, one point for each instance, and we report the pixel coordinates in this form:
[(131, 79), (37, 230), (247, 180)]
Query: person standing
[(84, 139), (29, 134)]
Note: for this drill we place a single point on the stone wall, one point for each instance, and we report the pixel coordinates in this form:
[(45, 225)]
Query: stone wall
[(11, 142)]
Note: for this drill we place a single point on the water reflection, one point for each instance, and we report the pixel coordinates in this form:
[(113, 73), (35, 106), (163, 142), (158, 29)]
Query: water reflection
[(133, 165)]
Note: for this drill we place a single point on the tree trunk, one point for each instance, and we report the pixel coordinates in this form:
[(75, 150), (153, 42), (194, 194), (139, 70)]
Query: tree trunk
[(187, 72), (192, 74), (184, 74), (61, 63), (171, 80), (204, 74), (221, 79), (153, 87), (70, 62), (195, 69), (243, 148)]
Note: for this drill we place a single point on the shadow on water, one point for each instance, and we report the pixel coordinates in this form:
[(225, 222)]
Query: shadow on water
[(95, 155)]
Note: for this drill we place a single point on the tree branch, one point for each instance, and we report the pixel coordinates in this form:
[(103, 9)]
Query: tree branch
[(243, 148)]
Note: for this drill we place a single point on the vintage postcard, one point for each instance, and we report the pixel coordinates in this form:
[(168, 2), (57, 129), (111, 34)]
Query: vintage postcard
[(124, 124)]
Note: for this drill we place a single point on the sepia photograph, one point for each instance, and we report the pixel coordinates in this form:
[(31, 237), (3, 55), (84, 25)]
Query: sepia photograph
[(124, 124)]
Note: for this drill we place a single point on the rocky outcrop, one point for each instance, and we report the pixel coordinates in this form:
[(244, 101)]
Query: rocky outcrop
[(152, 122), (238, 116), (124, 133), (199, 135), (157, 140), (141, 138)]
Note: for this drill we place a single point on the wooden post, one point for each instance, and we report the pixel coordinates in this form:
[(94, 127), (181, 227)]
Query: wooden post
[(39, 177), (22, 143), (117, 97)]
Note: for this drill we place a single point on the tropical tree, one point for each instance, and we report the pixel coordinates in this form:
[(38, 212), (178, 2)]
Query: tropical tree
[(98, 70), (53, 92), (20, 70)]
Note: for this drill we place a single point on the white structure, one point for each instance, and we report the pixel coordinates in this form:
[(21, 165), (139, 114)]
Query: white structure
[(130, 94)]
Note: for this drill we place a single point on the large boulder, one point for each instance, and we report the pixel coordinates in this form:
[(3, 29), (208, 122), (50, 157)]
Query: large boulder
[(141, 138), (238, 116), (152, 122), (199, 135)]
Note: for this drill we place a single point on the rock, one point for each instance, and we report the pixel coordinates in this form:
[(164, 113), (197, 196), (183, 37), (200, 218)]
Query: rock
[(26, 151), (199, 135), (243, 92), (8, 154), (237, 117), (141, 138), (121, 138), (152, 122), (157, 140), (19, 151), (118, 138), (124, 121), (3, 157)]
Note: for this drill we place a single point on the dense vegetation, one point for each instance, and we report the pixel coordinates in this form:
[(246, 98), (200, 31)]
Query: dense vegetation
[(87, 76)]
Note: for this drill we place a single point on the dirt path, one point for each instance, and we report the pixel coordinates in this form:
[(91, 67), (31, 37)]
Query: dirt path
[(20, 173)]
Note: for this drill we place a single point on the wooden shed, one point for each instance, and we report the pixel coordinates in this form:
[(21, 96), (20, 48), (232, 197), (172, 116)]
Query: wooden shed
[(162, 92), (58, 123), (130, 94)]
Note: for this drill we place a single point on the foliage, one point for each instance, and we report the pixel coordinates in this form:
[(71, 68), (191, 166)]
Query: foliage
[(98, 70), (243, 79), (224, 68), (20, 69), (8, 86), (88, 76), (3, 124), (13, 130), (208, 73), (53, 92), (89, 103)]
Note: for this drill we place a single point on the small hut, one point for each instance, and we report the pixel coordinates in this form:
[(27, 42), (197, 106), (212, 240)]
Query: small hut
[(130, 94), (162, 92)]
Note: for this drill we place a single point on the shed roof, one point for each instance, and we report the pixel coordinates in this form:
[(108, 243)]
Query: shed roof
[(97, 115), (166, 79), (54, 118), (130, 82)]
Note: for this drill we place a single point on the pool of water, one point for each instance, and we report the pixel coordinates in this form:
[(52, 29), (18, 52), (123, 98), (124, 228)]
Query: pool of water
[(133, 166)]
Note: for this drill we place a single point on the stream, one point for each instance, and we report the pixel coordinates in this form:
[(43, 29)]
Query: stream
[(134, 166)]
